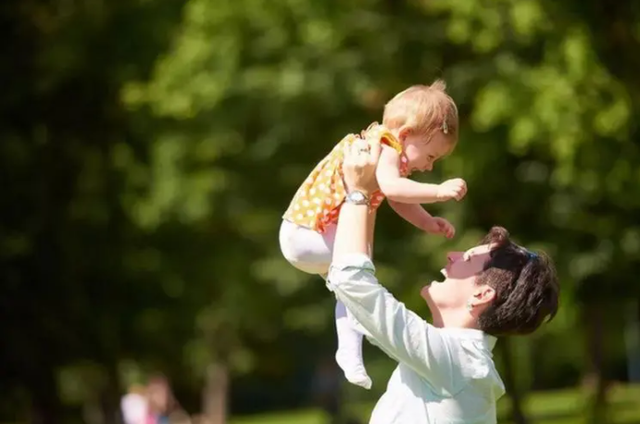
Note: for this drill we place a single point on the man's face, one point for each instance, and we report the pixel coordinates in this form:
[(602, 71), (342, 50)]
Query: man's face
[(459, 285)]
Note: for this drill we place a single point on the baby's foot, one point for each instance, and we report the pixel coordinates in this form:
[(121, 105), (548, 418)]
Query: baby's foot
[(353, 368)]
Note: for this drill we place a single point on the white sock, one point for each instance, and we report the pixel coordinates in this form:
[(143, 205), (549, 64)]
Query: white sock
[(349, 353)]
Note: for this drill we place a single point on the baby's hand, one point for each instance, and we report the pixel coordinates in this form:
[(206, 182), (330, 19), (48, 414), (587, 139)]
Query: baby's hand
[(452, 189), (440, 226)]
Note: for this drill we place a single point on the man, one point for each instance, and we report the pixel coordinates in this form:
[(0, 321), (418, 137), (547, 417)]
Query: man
[(445, 371)]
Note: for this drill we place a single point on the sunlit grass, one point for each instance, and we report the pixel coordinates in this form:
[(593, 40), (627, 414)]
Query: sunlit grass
[(298, 417), (552, 407), (572, 406)]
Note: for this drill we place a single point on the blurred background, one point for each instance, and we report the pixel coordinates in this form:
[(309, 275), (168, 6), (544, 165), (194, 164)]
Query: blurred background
[(148, 149)]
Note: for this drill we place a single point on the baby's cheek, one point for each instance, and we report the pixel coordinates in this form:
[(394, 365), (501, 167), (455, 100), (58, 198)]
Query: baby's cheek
[(413, 156)]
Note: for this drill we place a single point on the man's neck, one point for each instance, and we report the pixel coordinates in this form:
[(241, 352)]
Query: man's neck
[(454, 319)]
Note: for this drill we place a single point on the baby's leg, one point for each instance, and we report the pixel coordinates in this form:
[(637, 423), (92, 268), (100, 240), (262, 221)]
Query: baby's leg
[(305, 249), (311, 252), (349, 353)]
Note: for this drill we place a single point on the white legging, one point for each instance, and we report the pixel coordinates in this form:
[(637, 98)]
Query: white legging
[(305, 249)]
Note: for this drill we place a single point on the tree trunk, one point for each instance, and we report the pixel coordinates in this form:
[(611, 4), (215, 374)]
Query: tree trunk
[(110, 397), (632, 341), (214, 396), (513, 391), (596, 377), (45, 404)]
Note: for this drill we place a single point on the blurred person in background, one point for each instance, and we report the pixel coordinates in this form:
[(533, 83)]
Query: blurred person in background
[(135, 406), (162, 403), (152, 404), (445, 371)]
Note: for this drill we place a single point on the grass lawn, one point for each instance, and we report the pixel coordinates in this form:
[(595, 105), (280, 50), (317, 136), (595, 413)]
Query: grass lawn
[(552, 407)]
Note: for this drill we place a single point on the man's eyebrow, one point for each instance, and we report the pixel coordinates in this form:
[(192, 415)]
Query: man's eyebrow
[(469, 253), (474, 250)]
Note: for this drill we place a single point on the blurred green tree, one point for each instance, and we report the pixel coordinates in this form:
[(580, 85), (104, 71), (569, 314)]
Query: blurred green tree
[(150, 148)]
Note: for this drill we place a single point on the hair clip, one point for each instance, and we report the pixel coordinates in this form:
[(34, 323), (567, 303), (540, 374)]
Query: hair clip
[(532, 255), (445, 127)]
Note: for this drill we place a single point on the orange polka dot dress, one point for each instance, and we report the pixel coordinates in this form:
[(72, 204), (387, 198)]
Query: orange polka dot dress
[(317, 202)]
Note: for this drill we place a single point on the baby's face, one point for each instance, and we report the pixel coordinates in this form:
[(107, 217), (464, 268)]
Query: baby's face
[(422, 152)]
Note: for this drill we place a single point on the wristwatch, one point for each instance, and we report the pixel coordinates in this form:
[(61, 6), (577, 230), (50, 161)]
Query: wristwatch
[(357, 198)]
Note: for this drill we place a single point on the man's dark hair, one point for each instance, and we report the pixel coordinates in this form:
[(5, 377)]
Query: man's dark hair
[(525, 283)]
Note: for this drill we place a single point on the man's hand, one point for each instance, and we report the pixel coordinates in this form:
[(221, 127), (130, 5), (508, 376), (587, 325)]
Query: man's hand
[(359, 166), (440, 226), (354, 234), (452, 189)]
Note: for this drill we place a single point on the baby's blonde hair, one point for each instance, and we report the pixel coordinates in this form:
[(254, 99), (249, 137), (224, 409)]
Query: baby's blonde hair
[(425, 109)]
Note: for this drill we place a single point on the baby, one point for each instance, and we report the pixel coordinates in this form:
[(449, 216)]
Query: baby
[(420, 126)]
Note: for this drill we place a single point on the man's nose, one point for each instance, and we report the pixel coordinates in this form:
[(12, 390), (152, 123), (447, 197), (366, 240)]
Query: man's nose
[(454, 256)]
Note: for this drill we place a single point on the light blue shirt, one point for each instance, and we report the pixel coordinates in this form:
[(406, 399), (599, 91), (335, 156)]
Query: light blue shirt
[(444, 375)]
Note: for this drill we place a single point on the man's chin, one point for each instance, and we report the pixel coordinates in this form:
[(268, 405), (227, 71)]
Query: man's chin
[(425, 293)]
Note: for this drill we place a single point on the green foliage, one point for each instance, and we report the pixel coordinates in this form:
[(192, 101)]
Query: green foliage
[(150, 149)]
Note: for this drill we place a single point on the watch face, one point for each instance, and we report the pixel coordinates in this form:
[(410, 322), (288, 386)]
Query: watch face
[(356, 197)]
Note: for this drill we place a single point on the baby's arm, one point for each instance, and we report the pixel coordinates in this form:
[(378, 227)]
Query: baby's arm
[(414, 213), (399, 189), (419, 217)]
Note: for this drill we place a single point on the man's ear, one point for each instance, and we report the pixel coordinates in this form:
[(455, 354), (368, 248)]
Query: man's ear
[(484, 295)]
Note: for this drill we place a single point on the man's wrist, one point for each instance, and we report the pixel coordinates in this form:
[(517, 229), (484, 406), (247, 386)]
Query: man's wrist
[(358, 197), (362, 190)]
